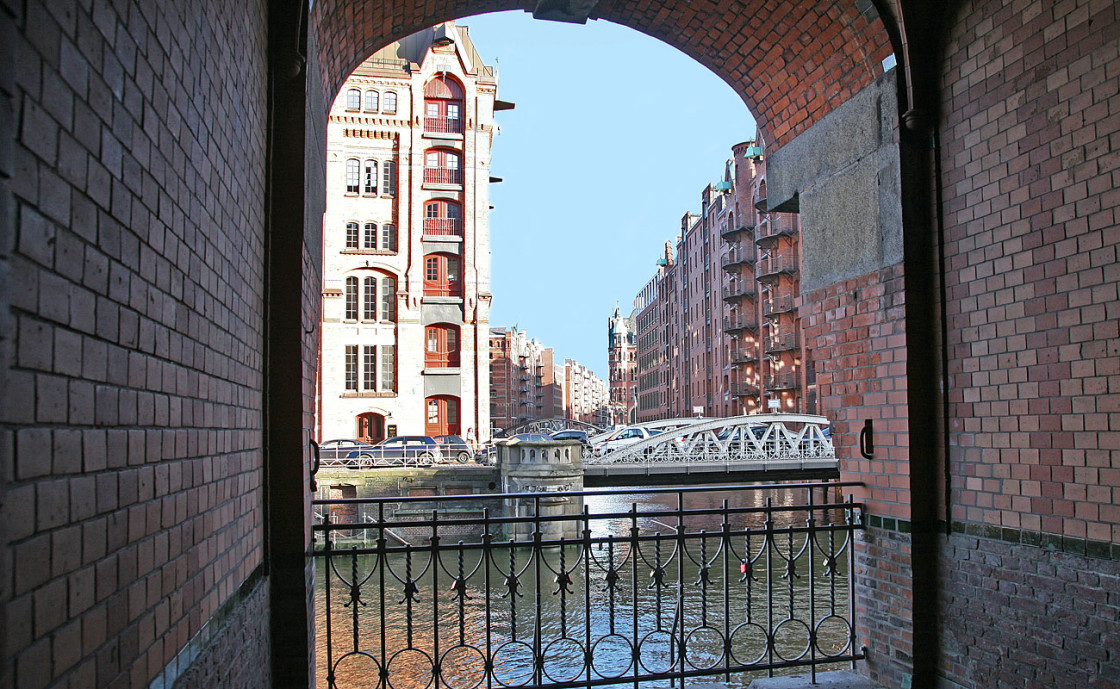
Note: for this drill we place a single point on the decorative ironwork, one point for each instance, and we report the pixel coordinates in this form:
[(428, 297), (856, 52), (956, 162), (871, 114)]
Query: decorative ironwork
[(551, 425), (738, 439), (703, 582)]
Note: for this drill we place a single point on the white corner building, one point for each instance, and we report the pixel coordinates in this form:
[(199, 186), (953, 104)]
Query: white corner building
[(406, 243)]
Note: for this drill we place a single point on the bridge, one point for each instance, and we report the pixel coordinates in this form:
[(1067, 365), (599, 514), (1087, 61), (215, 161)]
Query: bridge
[(740, 448)]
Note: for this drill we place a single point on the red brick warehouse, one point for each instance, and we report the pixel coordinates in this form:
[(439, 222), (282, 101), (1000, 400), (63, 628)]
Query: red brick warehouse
[(161, 195)]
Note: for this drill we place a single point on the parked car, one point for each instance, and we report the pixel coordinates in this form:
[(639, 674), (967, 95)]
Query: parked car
[(332, 450), (536, 437), (627, 435), (455, 447), (573, 434), (419, 450)]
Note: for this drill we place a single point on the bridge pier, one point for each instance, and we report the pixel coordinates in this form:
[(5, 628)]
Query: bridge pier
[(544, 468)]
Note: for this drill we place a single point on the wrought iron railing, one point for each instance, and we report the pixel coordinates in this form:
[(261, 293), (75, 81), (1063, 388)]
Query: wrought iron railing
[(443, 175), (444, 227), (443, 125), (586, 589)]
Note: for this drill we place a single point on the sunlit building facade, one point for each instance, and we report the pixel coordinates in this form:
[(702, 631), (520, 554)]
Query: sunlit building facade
[(406, 249)]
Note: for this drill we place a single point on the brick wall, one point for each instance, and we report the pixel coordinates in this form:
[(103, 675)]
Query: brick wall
[(786, 92), (855, 333), (131, 419), (1031, 171)]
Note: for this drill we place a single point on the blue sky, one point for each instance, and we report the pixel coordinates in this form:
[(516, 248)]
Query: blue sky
[(613, 138)]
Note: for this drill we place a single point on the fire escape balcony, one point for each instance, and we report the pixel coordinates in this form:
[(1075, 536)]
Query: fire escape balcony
[(738, 323), (786, 380), (782, 343), (744, 389), (774, 228), (777, 305), (737, 257), (733, 231), (772, 267), (738, 290), (740, 355)]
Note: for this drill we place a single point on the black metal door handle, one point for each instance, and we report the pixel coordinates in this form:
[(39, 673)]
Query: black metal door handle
[(867, 440)]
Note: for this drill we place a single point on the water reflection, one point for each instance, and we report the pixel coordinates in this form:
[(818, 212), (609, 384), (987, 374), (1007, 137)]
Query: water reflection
[(665, 582)]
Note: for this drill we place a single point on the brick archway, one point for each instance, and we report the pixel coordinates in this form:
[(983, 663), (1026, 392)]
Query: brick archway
[(791, 62)]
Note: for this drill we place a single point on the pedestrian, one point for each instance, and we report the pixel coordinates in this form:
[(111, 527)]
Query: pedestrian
[(470, 438)]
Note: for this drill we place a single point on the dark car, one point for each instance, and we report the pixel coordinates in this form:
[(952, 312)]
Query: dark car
[(333, 451), (572, 434), (407, 450), (455, 447)]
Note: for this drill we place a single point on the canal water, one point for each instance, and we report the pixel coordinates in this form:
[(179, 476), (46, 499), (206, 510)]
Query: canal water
[(600, 614)]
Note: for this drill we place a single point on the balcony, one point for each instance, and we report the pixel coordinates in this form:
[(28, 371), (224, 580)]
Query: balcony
[(774, 266), (785, 380), (443, 175), (443, 125), (738, 323), (782, 343), (732, 232), (741, 355), (443, 227), (528, 590), (738, 290), (737, 257), (775, 227), (740, 389), (777, 305)]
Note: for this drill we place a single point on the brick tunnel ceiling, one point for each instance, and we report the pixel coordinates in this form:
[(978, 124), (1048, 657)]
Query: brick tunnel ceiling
[(791, 61)]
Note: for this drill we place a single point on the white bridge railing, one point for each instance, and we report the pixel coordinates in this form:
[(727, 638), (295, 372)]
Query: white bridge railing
[(750, 438)]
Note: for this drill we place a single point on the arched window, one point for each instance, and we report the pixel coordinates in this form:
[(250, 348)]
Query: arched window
[(389, 178), (441, 346), (443, 218), (443, 106), (390, 103), (442, 415), (353, 99), (369, 299), (353, 175), (388, 237), (441, 276), (351, 299), (371, 101), (370, 186), (351, 235), (441, 166), (369, 237)]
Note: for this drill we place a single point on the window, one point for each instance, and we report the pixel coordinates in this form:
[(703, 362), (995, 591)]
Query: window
[(351, 235), (369, 368), (390, 105), (353, 99), (387, 383), (369, 299), (369, 237), (443, 106), (370, 178), (389, 178), (389, 299), (441, 348), (351, 299), (371, 101), (441, 276), (443, 218), (353, 175), (351, 365), (388, 237), (441, 166)]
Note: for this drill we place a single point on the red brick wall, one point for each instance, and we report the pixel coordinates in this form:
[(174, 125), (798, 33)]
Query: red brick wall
[(855, 333), (1031, 172), (131, 413), (801, 61)]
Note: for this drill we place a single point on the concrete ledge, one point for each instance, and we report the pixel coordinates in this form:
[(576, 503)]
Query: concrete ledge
[(841, 679)]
